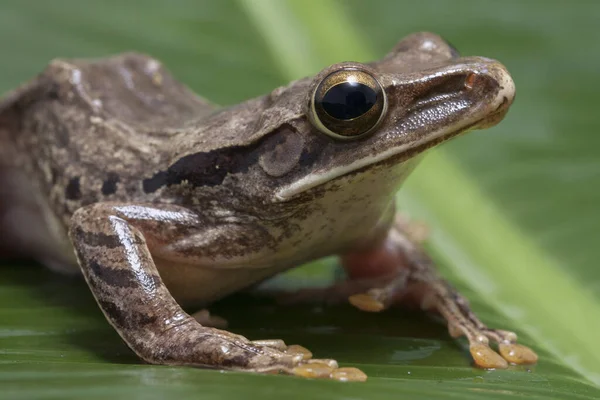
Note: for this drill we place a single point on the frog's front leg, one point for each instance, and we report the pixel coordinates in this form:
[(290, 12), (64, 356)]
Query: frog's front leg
[(114, 245), (411, 278)]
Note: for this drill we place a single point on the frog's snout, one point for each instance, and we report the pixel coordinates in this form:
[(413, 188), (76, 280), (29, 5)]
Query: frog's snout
[(504, 95)]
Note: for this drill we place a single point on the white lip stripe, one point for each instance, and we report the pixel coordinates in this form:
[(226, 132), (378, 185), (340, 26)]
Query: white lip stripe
[(317, 179)]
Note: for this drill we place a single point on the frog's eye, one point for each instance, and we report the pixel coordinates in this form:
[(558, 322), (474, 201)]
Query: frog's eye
[(347, 104)]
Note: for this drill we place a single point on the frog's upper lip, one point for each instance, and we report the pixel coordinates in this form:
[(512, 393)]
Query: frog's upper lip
[(500, 104)]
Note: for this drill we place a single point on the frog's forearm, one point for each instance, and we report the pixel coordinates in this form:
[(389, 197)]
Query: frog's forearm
[(118, 267)]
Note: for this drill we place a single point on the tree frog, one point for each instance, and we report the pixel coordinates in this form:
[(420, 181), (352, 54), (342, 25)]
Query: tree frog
[(113, 168)]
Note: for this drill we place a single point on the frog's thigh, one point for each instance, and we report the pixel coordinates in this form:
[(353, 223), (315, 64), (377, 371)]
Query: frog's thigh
[(28, 228), (111, 243), (413, 280)]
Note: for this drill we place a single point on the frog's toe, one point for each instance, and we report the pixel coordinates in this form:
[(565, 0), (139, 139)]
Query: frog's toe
[(276, 344), (297, 349), (485, 357), (517, 353), (348, 374), (292, 350), (313, 370), (510, 352), (324, 369), (308, 367), (327, 361), (367, 302), (508, 347), (462, 321)]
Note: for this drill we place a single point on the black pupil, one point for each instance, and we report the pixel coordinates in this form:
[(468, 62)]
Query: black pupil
[(348, 100)]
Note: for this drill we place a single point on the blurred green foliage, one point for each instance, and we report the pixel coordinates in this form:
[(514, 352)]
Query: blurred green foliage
[(513, 209)]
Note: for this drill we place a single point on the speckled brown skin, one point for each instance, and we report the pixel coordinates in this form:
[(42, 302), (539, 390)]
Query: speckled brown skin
[(169, 201)]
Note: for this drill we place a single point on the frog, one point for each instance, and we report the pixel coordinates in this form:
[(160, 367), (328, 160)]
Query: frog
[(112, 169)]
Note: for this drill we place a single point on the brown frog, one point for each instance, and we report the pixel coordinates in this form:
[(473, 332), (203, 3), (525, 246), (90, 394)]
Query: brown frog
[(169, 201)]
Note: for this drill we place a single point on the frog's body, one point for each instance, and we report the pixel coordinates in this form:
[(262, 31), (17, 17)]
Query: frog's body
[(155, 186), (76, 164)]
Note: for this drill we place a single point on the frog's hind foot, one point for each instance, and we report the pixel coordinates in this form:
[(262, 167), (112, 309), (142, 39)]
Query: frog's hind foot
[(416, 283), (437, 296), (463, 322)]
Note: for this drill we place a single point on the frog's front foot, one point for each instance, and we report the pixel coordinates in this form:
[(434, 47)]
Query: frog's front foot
[(312, 368), (195, 345), (412, 280)]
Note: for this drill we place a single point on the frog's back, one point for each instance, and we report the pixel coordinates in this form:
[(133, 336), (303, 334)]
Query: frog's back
[(84, 131)]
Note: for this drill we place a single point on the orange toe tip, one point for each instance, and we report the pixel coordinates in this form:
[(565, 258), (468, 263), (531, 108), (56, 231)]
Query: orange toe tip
[(365, 302), (313, 370), (349, 374), (295, 349), (517, 354), (487, 358), (327, 361)]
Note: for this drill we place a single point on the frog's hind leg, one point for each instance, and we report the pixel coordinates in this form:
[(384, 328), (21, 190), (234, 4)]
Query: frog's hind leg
[(18, 210), (415, 281), (25, 229), (7, 122), (6, 248), (10, 245)]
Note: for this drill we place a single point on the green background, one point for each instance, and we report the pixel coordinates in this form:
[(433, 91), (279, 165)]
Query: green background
[(513, 210)]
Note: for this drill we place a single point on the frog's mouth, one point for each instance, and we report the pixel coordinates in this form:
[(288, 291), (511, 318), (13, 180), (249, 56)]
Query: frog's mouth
[(481, 115)]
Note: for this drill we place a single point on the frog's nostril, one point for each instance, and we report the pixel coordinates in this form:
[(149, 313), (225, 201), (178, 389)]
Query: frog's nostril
[(470, 81), (475, 81)]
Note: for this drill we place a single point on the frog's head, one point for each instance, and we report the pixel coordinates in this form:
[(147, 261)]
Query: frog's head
[(380, 116)]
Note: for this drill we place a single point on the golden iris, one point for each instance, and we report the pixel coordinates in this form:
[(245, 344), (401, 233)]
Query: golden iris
[(348, 103)]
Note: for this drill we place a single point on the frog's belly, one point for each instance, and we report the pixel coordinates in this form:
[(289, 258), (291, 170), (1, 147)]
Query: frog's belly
[(204, 282), (192, 285)]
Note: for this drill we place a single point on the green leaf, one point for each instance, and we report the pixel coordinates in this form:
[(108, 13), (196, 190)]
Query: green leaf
[(513, 210)]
